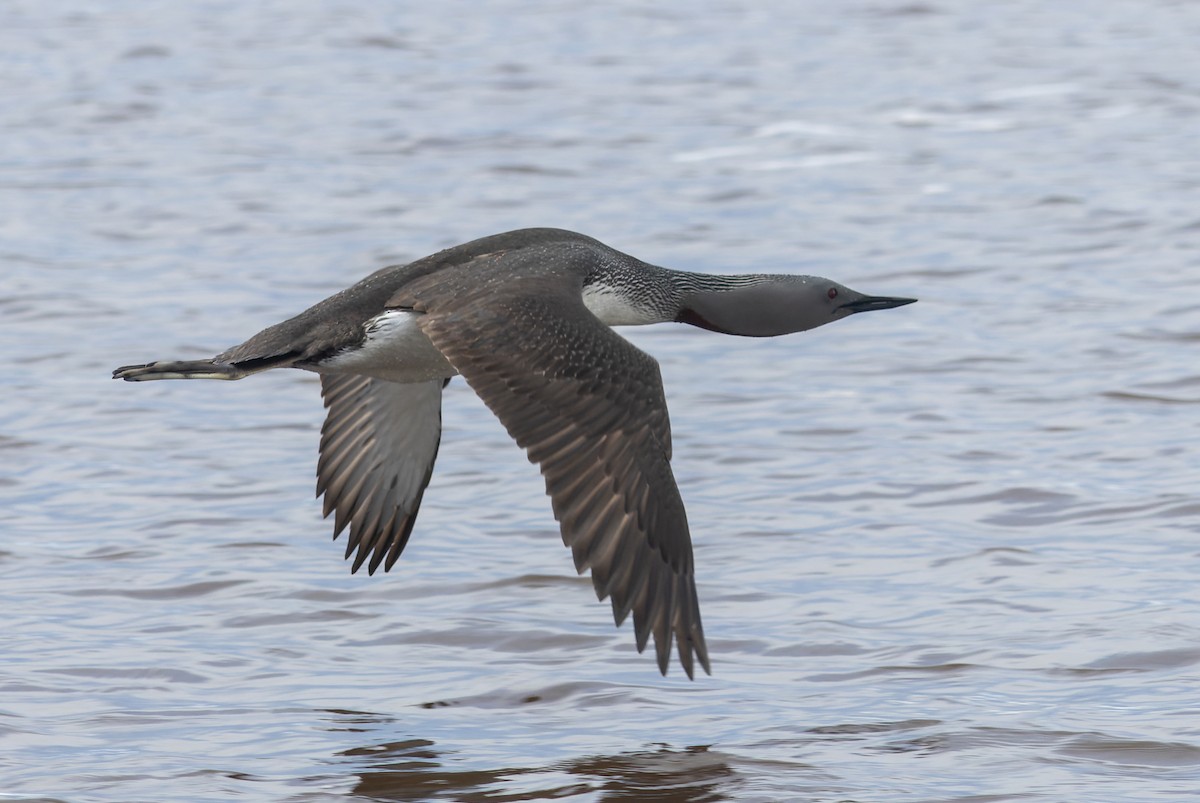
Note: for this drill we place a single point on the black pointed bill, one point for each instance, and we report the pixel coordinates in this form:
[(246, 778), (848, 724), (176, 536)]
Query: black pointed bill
[(868, 303)]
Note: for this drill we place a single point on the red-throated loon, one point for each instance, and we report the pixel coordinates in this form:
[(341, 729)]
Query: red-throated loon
[(525, 318)]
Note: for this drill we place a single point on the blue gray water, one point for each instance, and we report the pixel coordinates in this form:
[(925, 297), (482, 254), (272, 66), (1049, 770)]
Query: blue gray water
[(945, 552)]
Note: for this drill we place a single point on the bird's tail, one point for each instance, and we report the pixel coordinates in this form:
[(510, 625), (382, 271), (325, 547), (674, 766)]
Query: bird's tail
[(183, 369), (233, 364)]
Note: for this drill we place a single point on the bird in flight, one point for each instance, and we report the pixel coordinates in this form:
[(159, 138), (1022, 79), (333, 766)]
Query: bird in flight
[(525, 318)]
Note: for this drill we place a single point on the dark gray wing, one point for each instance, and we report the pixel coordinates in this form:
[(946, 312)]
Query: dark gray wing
[(589, 408), (378, 446)]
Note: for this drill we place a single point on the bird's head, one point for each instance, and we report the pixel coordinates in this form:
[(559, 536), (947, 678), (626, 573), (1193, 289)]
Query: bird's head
[(766, 306)]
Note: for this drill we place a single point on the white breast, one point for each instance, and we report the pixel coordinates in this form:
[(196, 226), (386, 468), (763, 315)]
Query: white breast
[(395, 349), (613, 309)]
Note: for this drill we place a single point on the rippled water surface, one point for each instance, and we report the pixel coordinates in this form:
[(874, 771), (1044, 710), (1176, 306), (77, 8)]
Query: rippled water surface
[(946, 552)]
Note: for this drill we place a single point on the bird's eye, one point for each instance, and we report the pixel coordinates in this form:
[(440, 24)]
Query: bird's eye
[(832, 292)]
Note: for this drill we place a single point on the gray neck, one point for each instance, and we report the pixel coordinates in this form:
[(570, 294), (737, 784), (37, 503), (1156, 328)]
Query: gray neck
[(753, 305)]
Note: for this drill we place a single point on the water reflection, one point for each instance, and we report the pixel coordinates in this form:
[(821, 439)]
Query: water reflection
[(414, 769)]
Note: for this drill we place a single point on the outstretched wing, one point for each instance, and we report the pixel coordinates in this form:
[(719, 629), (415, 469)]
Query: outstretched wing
[(589, 408), (378, 446)]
